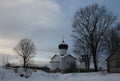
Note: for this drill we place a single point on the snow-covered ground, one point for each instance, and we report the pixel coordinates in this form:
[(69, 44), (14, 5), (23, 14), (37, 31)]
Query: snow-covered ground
[(9, 75)]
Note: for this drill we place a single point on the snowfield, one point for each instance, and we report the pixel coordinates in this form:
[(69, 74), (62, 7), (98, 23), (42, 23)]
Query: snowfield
[(9, 75)]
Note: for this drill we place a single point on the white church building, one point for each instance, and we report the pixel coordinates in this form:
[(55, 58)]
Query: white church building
[(63, 60)]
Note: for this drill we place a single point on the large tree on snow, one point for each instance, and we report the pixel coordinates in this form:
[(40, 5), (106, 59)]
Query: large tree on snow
[(89, 25)]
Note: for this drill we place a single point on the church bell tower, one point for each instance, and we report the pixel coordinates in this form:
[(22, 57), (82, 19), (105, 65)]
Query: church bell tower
[(63, 48)]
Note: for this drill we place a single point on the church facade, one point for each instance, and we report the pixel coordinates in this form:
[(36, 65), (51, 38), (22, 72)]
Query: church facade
[(63, 60)]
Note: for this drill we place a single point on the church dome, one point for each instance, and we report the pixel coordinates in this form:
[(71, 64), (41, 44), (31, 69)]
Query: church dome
[(63, 45)]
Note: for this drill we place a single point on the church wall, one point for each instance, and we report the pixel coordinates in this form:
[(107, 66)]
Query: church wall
[(66, 62), (55, 65)]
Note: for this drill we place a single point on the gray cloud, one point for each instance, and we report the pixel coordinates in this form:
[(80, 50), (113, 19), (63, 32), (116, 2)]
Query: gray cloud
[(21, 20)]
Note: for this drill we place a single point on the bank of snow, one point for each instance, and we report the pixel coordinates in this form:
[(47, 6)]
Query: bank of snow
[(9, 75)]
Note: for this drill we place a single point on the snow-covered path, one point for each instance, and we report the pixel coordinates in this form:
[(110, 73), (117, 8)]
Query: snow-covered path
[(9, 75)]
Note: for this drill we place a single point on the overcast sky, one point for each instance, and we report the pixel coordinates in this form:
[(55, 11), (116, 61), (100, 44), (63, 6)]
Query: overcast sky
[(43, 21)]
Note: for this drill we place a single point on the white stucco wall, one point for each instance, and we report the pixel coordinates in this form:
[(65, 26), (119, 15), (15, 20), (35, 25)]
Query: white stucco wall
[(55, 65), (55, 62), (66, 61)]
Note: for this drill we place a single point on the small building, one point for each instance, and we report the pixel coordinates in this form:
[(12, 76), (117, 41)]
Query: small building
[(62, 61), (113, 62), (84, 61)]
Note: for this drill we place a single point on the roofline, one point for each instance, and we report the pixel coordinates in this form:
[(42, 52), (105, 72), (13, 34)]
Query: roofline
[(70, 55), (111, 55), (53, 56)]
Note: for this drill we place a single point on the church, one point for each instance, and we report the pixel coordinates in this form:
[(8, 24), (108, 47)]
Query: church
[(63, 60)]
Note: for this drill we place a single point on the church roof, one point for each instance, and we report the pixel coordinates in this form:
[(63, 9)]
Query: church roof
[(69, 55), (56, 57), (63, 45)]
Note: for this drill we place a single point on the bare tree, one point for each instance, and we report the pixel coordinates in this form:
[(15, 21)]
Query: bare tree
[(89, 26), (80, 49), (112, 39), (26, 50)]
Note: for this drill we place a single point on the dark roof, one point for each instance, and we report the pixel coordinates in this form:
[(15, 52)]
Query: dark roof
[(63, 45), (109, 56), (112, 54)]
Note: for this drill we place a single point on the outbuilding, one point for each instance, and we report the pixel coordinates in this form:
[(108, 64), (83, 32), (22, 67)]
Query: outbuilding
[(113, 62)]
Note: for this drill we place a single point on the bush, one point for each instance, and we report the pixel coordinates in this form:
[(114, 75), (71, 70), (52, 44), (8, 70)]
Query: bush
[(45, 68), (21, 75), (84, 70), (26, 76), (7, 66)]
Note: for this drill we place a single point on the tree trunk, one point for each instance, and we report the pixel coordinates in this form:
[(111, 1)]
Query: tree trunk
[(87, 62), (95, 62), (24, 64)]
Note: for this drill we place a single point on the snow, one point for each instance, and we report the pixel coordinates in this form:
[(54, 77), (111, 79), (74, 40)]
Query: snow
[(9, 75)]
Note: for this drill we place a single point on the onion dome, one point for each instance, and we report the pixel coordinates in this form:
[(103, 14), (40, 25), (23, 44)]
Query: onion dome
[(63, 45)]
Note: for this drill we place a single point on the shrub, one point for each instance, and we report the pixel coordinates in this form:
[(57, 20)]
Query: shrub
[(26, 76), (21, 75), (45, 68)]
